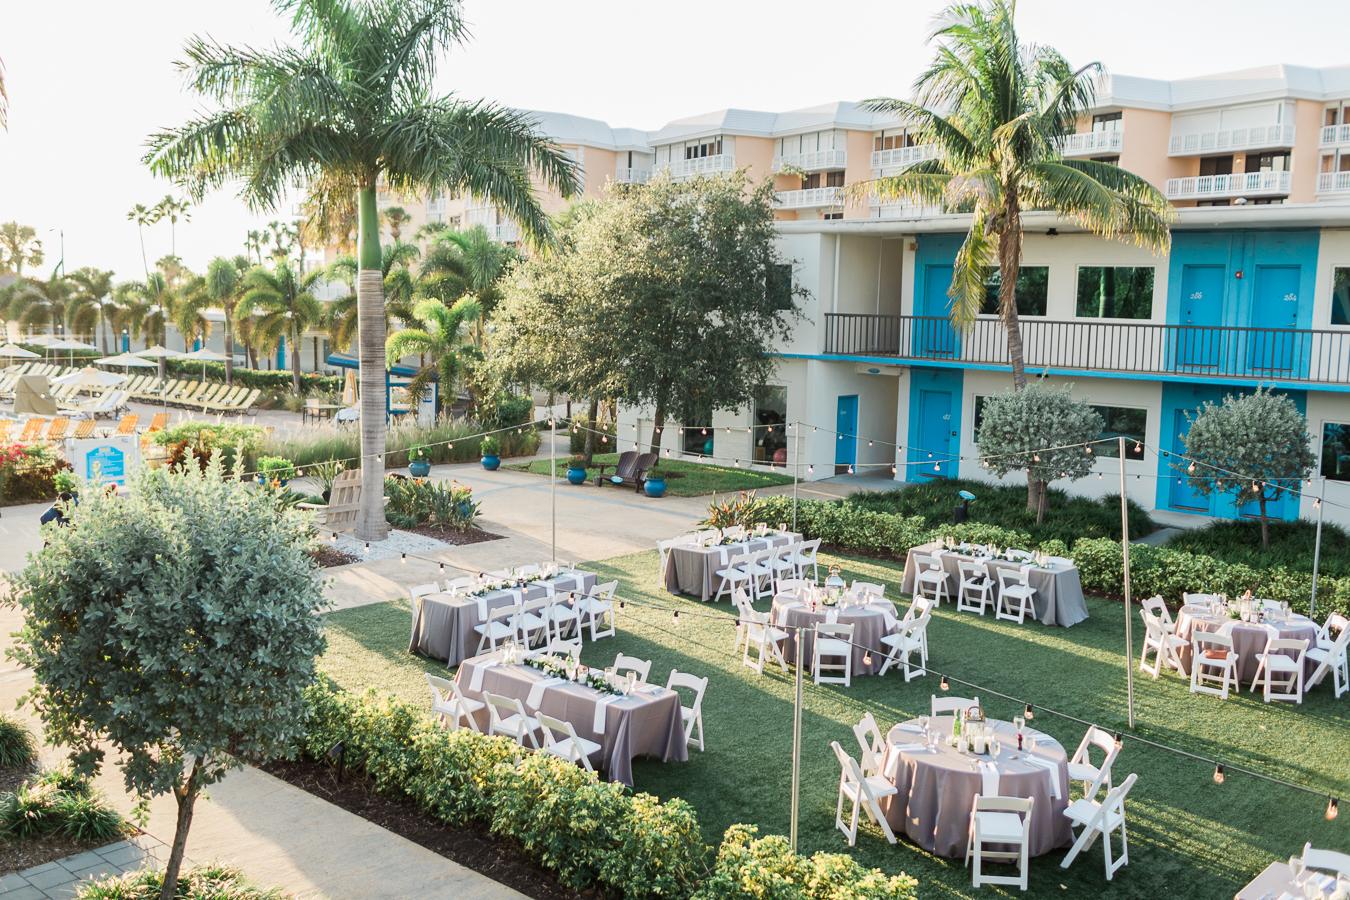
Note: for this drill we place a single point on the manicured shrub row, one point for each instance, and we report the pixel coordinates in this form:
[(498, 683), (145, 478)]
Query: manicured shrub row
[(588, 832), (307, 449), (267, 380)]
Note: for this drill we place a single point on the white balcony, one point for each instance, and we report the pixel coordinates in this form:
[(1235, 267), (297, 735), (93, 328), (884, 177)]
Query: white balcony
[(702, 165), (628, 175), (815, 161), (891, 161), (1091, 143), (504, 232), (810, 197), (1259, 137), (1333, 183), (1334, 136), (1239, 184), (436, 210), (902, 209)]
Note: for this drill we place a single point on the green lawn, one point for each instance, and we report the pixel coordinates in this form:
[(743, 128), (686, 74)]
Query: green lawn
[(691, 479), (1188, 836)]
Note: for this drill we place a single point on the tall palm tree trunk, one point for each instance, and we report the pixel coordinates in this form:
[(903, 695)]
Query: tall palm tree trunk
[(229, 348), (1009, 263), (370, 523), (295, 356)]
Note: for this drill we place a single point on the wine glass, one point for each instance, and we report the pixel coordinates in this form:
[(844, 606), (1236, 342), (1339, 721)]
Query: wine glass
[(1019, 722), (923, 723)]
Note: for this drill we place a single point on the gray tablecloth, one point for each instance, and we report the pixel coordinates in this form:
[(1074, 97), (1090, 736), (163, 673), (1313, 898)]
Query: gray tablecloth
[(693, 570), (442, 626), (1059, 590), (870, 623), (937, 789), (1249, 639), (640, 724)]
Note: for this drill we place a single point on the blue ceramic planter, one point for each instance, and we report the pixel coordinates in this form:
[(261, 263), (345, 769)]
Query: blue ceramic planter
[(419, 468), (576, 475), (655, 486), (491, 462)]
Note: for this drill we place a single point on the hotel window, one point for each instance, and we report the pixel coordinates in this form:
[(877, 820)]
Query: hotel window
[(1336, 451), (1340, 296), (979, 415), (1277, 161), (1032, 284), (701, 149), (1126, 422), (832, 216), (1115, 292), (834, 179), (892, 138), (769, 418), (1106, 122), (811, 182)]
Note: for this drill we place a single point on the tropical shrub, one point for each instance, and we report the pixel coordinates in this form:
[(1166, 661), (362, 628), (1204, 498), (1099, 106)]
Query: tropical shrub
[(1291, 544), (751, 868), (490, 446), (213, 882), (59, 803), (421, 501), (18, 749), (274, 380), (204, 441), (28, 473), (274, 469), (505, 410)]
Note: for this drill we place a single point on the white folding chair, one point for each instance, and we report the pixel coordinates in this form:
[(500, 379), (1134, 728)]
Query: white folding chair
[(1014, 596), (1209, 601), (418, 591), (930, 576), (1280, 675), (1081, 767), (531, 625), (736, 573), (691, 716), (455, 585), (562, 618), (901, 645), (764, 638), (863, 792), (597, 607), (1330, 654), (1165, 646), (507, 716), (871, 743), (734, 533), (782, 565), (1325, 860), (805, 557), (999, 821), (1213, 659), (561, 740), (832, 651), (642, 667), (760, 568), (941, 706), (791, 586), (1099, 820), (663, 548), (559, 647), (450, 706), (499, 627), (976, 589), (866, 591)]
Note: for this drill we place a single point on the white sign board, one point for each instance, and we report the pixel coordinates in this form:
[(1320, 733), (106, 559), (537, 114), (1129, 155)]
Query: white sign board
[(109, 460)]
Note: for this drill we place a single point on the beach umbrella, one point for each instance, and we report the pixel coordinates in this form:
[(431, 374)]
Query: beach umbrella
[(125, 360), (158, 352), (205, 356), (90, 377), (14, 351), (71, 345)]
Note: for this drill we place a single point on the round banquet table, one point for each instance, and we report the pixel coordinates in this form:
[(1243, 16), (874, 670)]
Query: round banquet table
[(936, 788), (1249, 638), (870, 624)]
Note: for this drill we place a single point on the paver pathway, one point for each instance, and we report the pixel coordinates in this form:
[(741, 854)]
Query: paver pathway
[(61, 878)]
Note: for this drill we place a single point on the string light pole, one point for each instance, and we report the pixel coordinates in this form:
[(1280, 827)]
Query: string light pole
[(796, 743), (1317, 553), (1125, 565), (553, 484), (797, 468)]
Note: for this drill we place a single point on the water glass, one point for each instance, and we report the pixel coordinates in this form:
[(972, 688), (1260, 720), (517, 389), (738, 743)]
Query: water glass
[(1019, 722)]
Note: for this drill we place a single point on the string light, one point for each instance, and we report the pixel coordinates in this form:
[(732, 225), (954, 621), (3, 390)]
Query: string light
[(1333, 808), (1036, 457), (1191, 468), (945, 684), (850, 470), (867, 659), (937, 467), (893, 469), (1219, 776), (403, 558), (1029, 713), (1087, 448), (442, 567), (675, 617), (366, 549)]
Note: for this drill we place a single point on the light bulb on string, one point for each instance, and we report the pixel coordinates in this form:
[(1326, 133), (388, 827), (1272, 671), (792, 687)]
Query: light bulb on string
[(1036, 457), (335, 537), (675, 618), (1029, 713), (850, 470), (1333, 808), (1191, 468), (703, 431), (867, 659), (1087, 448), (894, 469), (937, 467), (945, 684), (810, 470), (403, 558), (442, 567), (366, 548), (1219, 776)]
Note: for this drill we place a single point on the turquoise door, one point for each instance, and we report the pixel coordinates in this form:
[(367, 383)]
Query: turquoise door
[(1201, 344), (846, 433), (936, 434), (1183, 496), (934, 335), (1274, 307)]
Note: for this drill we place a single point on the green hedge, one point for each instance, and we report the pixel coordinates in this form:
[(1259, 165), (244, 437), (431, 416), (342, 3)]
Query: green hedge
[(589, 833), (310, 447), (267, 380)]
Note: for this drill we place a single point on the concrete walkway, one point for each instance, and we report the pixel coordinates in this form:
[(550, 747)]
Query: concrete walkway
[(62, 878)]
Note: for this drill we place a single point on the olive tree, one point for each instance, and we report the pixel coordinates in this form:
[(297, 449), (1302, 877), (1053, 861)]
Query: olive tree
[(177, 625), (1041, 430), (1254, 447)]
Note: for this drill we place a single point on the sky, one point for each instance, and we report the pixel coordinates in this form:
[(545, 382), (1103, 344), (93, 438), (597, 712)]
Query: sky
[(89, 80)]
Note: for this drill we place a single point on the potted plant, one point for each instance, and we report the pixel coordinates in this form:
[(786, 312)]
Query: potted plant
[(419, 466), (489, 449), (576, 469), (65, 484), (654, 483), (275, 471)]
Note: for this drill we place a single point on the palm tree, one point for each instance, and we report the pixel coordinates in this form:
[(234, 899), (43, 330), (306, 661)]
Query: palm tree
[(173, 209), (90, 302), (329, 212), (32, 301), (225, 287), (438, 342), (396, 217), (19, 246), (995, 109), (190, 300), (151, 300), (143, 215), (400, 288), (253, 244), (283, 304), (429, 230), (467, 262), (352, 104)]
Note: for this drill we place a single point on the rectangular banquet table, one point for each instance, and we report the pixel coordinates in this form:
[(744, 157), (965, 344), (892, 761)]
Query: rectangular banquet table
[(442, 625), (693, 570), (644, 723), (1059, 590)]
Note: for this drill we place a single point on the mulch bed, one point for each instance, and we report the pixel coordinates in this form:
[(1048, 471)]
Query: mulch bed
[(454, 535), (327, 557), (498, 860)]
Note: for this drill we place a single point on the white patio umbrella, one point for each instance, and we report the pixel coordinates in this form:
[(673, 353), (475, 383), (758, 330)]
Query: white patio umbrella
[(125, 360), (90, 377), (14, 351), (205, 356), (158, 352), (71, 345)]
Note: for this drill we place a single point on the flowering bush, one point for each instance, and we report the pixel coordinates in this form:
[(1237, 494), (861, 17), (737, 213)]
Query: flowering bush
[(28, 472), (421, 501)]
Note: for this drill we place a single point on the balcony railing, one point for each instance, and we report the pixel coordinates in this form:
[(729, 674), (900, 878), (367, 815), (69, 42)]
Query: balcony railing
[(902, 209), (1239, 184), (815, 161), (1091, 143), (1143, 348), (1258, 137), (902, 157), (702, 165), (1333, 135), (1333, 182), (810, 197), (625, 175)]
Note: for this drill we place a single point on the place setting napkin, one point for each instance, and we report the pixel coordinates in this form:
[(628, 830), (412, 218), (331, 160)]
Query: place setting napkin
[(988, 779), (601, 705), (482, 600), (1050, 766), (476, 680), (537, 690)]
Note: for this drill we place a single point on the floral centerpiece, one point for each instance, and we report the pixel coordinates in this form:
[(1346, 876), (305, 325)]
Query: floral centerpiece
[(565, 668)]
